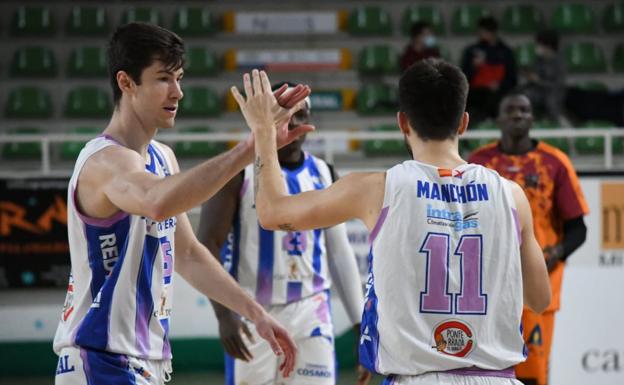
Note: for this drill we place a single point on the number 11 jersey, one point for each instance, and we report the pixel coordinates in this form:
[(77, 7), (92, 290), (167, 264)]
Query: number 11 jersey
[(445, 283)]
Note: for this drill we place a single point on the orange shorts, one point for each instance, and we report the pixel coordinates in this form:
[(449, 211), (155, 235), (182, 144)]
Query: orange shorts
[(537, 333)]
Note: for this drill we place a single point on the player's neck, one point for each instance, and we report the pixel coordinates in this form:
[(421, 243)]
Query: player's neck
[(127, 128), (438, 153), (516, 146)]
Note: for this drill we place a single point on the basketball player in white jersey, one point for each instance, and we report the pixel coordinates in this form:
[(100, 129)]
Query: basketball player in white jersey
[(128, 229), (290, 273), (453, 255)]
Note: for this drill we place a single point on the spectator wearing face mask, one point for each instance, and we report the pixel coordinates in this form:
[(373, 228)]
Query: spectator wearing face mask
[(423, 45), (490, 67)]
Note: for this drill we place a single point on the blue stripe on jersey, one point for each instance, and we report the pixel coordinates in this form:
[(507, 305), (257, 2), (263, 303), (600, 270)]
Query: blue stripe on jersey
[(293, 291), (161, 159), (151, 166), (144, 300), (166, 352), (106, 250), (264, 289), (316, 261), (314, 172), (103, 368), (369, 335), (229, 370), (236, 247)]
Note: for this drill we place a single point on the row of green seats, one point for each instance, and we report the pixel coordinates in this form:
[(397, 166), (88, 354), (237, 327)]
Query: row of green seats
[(31, 102), (90, 62), (83, 21), (580, 57), (573, 18), (583, 146), (69, 150)]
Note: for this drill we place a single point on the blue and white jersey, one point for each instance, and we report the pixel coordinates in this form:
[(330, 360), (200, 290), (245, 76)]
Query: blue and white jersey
[(279, 267), (445, 284), (120, 289)]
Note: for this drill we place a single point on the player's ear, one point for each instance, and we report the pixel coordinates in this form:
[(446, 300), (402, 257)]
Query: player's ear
[(125, 82), (463, 123), (403, 123)]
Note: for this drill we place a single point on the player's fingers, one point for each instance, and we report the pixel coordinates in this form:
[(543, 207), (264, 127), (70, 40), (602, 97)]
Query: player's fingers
[(241, 349), (230, 349), (280, 91), (245, 351), (266, 84), (255, 79), (290, 351), (300, 130), (247, 84), (248, 333), (237, 96)]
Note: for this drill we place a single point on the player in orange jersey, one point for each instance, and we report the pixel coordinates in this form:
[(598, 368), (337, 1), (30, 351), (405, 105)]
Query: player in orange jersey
[(558, 205)]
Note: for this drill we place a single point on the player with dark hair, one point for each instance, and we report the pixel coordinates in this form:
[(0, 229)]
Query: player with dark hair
[(558, 206), (128, 230), (288, 272), (453, 254)]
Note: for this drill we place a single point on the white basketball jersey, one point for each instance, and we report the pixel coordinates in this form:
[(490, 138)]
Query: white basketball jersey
[(445, 284), (120, 288), (279, 267)]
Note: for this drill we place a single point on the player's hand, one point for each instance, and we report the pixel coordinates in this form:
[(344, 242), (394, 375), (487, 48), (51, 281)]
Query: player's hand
[(263, 112), (280, 341), (231, 330), (363, 375), (553, 254)]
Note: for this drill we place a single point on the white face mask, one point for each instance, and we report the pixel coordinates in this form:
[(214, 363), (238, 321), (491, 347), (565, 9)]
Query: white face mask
[(430, 41)]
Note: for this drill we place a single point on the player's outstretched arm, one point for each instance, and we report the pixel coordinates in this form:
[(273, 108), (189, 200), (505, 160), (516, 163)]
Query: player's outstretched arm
[(534, 273), (358, 195)]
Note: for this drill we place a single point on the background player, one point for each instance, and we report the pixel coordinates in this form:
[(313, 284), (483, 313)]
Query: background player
[(453, 250), (126, 221), (295, 285), (558, 205)]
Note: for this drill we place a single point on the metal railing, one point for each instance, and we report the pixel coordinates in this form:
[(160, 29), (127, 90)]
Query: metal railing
[(47, 140)]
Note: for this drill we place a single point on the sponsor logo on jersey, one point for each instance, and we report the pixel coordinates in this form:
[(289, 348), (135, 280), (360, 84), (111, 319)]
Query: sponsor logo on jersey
[(448, 192), (63, 365), (456, 220), (454, 338), (110, 251), (312, 370), (444, 172)]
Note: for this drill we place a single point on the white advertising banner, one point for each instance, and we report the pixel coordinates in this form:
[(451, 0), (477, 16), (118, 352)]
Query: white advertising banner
[(286, 22)]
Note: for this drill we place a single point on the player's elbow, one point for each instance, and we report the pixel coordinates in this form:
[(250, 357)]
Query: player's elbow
[(267, 218), (540, 300), (155, 209)]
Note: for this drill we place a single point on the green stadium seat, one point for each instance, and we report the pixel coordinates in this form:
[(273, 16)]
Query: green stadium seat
[(197, 149), (561, 143), (378, 60), (585, 57), (466, 17), (201, 61), (384, 147), (32, 21), (199, 102), (595, 145), (522, 18), (88, 102), (525, 55), (194, 21), (574, 18), (142, 14), (594, 85), (613, 18), (87, 21), (87, 62), (416, 13), (369, 21), (33, 62), (28, 102), (70, 150), (618, 58), (23, 150), (377, 99)]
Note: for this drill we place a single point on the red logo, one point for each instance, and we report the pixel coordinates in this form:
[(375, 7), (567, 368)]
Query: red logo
[(454, 338)]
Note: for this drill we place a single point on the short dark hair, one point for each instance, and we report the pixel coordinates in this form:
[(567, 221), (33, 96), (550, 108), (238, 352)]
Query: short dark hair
[(135, 46), (488, 23), (418, 27), (549, 38), (432, 93)]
